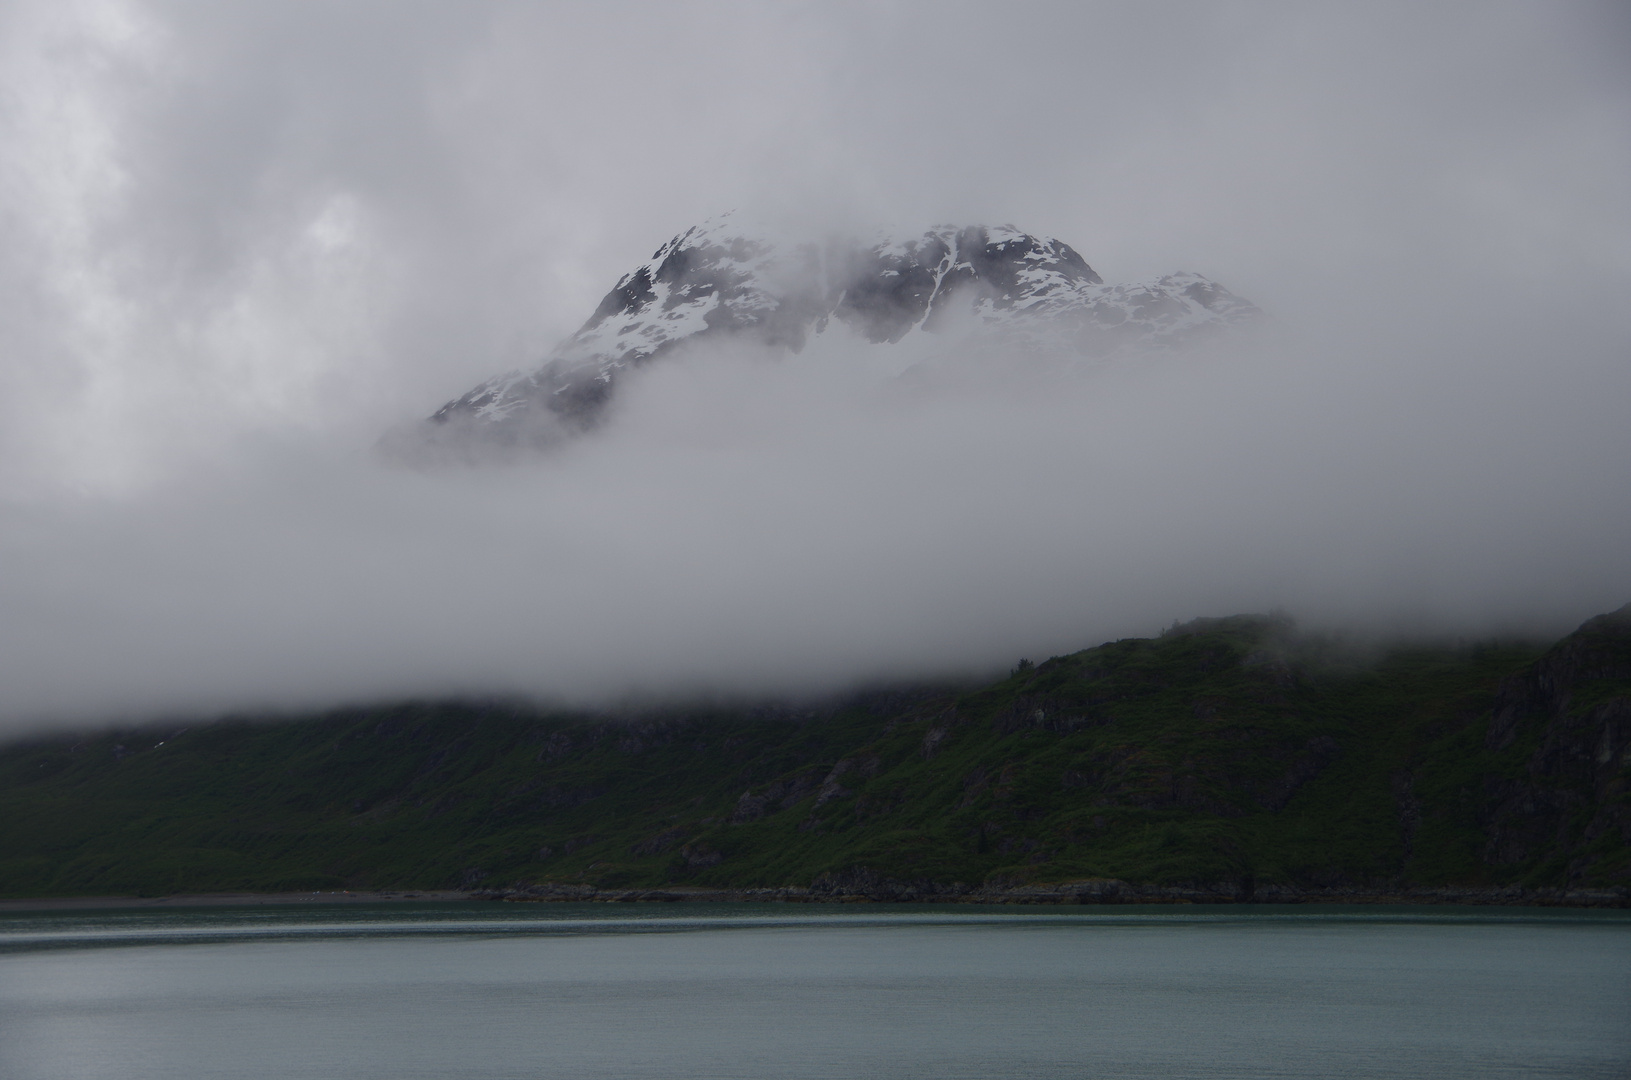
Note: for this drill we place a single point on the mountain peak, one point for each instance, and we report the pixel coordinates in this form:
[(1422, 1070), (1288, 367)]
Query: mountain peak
[(724, 279)]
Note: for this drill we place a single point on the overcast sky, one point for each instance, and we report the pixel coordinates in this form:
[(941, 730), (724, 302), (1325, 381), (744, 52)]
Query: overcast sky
[(239, 241)]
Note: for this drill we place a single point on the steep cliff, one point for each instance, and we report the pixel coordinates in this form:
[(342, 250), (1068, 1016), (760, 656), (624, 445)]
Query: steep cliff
[(1565, 724)]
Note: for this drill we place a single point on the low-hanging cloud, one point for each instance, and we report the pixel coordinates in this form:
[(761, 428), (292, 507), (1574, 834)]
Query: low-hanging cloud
[(215, 304), (755, 527)]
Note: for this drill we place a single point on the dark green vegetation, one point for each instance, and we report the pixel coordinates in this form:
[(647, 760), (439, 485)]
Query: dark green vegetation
[(1227, 754)]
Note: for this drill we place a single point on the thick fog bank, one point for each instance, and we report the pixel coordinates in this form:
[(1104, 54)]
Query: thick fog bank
[(747, 526)]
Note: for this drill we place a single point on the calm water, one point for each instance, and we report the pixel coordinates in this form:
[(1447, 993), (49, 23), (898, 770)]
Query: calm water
[(498, 991)]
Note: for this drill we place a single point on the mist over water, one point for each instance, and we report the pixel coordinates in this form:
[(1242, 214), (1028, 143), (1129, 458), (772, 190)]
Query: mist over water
[(239, 247)]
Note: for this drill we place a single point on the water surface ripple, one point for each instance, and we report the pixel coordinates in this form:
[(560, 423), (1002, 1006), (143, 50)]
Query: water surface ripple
[(693, 991)]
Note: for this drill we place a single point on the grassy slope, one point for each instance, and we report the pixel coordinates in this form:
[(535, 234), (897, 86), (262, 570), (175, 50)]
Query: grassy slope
[(1222, 752)]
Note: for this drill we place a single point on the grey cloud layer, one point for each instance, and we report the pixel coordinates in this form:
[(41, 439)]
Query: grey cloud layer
[(239, 242)]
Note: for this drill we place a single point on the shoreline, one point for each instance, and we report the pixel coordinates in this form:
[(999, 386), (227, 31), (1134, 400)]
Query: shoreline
[(1098, 891), (1076, 893), (197, 900)]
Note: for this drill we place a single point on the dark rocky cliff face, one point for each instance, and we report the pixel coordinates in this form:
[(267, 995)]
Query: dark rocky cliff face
[(716, 282), (1572, 794)]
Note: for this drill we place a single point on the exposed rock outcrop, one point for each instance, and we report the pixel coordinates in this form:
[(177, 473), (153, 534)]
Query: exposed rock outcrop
[(1573, 706)]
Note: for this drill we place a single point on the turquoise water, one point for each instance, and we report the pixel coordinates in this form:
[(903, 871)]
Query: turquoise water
[(499, 991)]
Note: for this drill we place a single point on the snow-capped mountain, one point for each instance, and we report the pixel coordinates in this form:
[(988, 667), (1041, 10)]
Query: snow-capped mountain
[(718, 280)]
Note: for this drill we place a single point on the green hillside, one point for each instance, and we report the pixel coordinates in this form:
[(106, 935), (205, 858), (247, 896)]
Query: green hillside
[(1229, 754)]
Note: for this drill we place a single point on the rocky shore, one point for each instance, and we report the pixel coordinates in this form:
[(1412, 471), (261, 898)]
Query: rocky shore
[(850, 890), (1094, 891), (233, 899)]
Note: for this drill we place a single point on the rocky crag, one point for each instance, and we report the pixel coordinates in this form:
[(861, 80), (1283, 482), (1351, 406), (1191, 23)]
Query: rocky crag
[(719, 281), (1567, 720)]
